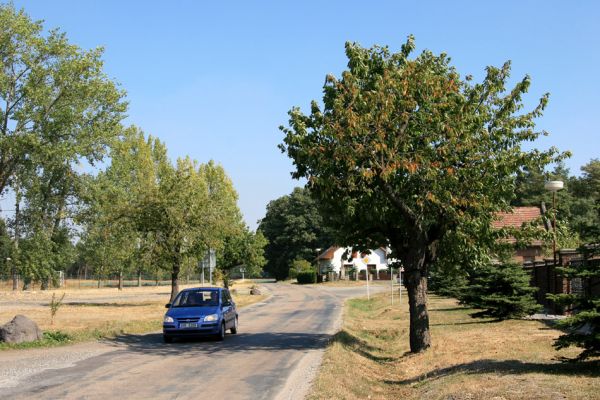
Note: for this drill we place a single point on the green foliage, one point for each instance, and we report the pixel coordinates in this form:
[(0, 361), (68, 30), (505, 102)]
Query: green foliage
[(306, 277), (299, 266), (58, 109), (578, 204), (502, 291), (294, 230), (5, 251), (404, 152), (583, 326), (243, 248)]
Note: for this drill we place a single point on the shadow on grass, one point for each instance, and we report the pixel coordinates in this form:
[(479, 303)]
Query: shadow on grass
[(489, 321), (451, 309), (360, 347), (513, 367)]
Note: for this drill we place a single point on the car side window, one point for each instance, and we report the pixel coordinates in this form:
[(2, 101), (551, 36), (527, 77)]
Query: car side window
[(228, 296)]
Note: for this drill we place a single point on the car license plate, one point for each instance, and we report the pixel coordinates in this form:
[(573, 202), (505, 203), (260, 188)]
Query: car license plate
[(188, 325)]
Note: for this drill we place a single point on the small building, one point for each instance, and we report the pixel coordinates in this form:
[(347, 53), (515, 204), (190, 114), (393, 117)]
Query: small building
[(343, 263), (515, 219)]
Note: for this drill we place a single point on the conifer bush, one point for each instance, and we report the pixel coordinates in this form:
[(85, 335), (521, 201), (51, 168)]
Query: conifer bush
[(502, 291)]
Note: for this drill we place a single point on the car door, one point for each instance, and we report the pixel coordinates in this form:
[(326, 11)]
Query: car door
[(227, 308)]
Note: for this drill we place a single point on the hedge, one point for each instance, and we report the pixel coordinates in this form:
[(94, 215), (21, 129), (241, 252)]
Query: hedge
[(307, 277)]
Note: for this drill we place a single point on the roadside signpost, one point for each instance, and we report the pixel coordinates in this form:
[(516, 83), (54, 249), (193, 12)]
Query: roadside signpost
[(396, 281), (367, 274), (208, 262)]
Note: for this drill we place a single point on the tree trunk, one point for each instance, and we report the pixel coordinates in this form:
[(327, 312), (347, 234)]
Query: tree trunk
[(416, 286), (120, 280), (175, 279), (415, 280), (139, 278)]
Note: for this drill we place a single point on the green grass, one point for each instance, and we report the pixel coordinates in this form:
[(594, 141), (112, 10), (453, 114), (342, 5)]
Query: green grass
[(51, 339)]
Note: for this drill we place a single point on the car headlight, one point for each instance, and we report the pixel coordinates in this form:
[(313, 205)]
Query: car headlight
[(168, 319), (211, 317)]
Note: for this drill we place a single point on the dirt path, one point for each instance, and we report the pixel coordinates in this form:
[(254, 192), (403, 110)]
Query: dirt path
[(277, 351)]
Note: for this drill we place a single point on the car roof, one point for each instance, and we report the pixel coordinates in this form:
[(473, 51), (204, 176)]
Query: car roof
[(202, 288)]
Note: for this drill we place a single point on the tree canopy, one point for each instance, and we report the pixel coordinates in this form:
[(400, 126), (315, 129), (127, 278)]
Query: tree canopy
[(294, 230), (405, 152)]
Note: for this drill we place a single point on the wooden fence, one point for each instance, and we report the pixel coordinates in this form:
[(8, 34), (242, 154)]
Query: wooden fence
[(546, 276)]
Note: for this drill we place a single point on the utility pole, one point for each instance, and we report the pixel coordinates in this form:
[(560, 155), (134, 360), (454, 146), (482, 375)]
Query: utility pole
[(554, 186), (15, 276)]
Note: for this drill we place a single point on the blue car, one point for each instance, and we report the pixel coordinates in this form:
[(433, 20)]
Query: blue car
[(200, 312)]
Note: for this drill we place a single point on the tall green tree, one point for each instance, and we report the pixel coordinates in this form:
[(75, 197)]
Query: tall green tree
[(404, 151), (114, 241), (245, 249), (294, 230), (193, 209), (57, 103), (57, 108)]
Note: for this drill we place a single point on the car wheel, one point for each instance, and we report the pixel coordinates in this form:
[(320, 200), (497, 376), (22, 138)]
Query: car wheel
[(221, 334), (234, 328), (167, 339)]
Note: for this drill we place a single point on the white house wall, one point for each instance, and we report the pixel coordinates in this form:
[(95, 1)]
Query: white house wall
[(376, 257)]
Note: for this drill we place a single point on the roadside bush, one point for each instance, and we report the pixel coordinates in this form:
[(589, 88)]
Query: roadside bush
[(299, 266), (502, 291), (305, 277)]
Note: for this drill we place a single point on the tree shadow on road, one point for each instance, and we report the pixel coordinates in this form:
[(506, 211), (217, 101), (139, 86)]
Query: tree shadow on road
[(153, 344)]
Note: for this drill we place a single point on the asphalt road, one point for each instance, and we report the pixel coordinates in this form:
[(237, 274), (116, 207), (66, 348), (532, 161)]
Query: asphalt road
[(276, 352)]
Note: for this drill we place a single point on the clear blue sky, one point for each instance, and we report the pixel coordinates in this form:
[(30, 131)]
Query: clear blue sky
[(214, 80)]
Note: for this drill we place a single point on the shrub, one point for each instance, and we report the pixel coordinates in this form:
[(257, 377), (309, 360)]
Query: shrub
[(305, 277), (502, 291)]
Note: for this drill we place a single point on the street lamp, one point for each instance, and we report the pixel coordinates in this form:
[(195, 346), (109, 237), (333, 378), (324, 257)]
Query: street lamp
[(554, 186)]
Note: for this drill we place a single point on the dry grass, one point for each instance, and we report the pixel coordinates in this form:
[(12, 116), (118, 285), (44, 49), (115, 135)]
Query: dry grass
[(470, 358), (94, 313)]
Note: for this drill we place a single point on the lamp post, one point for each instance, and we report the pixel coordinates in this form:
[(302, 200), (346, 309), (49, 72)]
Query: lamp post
[(554, 186)]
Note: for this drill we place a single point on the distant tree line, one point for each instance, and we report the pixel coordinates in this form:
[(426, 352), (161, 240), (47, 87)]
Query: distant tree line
[(89, 192)]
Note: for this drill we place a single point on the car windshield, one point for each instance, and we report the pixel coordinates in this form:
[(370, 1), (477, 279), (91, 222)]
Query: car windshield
[(197, 298)]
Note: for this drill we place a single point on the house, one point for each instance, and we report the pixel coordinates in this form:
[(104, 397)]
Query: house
[(516, 219), (343, 263)]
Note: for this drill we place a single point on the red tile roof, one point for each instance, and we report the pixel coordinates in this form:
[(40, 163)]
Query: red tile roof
[(328, 254), (517, 217)]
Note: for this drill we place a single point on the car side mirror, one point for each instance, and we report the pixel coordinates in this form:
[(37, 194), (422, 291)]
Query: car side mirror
[(168, 305)]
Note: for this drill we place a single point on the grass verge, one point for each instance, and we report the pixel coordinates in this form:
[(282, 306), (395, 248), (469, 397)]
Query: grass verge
[(469, 359)]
